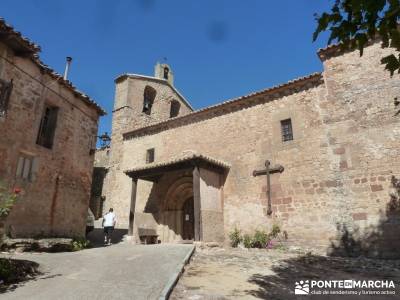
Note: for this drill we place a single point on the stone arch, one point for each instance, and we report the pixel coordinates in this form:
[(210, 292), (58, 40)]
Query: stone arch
[(149, 95), (178, 192), (166, 72), (174, 110)]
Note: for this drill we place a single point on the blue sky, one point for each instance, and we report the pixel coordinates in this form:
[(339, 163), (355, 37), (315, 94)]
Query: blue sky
[(217, 49)]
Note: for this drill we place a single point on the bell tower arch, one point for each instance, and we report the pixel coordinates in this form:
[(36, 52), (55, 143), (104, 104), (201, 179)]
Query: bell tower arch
[(163, 71)]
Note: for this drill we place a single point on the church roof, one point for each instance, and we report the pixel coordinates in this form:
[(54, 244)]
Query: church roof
[(228, 106), (156, 79), (25, 47), (185, 160)]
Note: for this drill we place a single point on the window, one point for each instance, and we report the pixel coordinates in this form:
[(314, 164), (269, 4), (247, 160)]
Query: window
[(287, 131), (5, 93), (148, 98), (47, 127), (175, 106), (27, 167), (166, 73), (150, 156)]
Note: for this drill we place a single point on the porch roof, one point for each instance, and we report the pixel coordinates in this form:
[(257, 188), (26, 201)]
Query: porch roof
[(154, 170)]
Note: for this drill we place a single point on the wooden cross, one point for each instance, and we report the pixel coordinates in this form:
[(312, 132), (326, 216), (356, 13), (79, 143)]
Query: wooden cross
[(267, 171)]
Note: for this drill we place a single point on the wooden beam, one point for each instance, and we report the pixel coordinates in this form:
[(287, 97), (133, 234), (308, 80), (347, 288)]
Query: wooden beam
[(132, 208), (197, 204), (272, 170), (267, 171)]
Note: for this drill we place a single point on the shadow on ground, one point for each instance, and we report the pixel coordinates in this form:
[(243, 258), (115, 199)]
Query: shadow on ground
[(370, 253), (314, 267), (14, 272), (96, 237)]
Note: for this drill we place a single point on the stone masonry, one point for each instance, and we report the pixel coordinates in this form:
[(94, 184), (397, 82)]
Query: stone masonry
[(55, 180), (337, 169)]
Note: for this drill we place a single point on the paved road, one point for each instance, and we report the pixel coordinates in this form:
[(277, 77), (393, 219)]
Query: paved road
[(121, 271)]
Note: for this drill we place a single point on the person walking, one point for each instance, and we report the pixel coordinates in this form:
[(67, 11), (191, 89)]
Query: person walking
[(109, 221)]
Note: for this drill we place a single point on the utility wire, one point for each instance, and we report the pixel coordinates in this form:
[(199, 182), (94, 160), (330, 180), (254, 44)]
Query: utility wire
[(46, 86)]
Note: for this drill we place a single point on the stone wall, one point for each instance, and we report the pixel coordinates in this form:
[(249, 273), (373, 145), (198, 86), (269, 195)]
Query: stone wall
[(337, 168), (100, 181), (128, 115), (55, 200)]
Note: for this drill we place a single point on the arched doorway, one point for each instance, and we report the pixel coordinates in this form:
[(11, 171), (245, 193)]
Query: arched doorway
[(177, 212), (188, 219)]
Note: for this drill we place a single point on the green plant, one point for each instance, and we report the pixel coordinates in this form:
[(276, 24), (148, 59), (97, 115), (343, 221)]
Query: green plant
[(247, 240), (7, 199), (80, 244), (260, 239), (275, 231), (236, 237)]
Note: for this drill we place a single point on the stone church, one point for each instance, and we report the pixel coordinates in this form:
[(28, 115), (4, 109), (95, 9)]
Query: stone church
[(315, 155)]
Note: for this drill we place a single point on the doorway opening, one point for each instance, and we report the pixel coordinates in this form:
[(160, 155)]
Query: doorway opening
[(188, 220)]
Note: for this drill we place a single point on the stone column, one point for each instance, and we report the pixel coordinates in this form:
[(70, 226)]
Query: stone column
[(197, 204), (132, 208), (212, 220)]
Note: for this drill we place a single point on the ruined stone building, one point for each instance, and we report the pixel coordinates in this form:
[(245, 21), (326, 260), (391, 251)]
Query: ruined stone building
[(48, 135), (188, 174)]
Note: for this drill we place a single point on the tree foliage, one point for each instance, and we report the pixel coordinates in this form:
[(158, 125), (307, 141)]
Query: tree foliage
[(352, 23)]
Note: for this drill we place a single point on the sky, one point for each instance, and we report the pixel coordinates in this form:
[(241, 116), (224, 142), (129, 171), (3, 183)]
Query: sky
[(217, 49)]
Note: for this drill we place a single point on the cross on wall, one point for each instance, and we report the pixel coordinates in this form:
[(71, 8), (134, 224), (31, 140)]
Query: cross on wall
[(268, 171)]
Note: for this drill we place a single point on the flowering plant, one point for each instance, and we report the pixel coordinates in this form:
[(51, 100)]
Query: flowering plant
[(7, 199)]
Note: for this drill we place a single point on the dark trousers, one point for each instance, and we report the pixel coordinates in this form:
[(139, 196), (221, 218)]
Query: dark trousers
[(108, 230)]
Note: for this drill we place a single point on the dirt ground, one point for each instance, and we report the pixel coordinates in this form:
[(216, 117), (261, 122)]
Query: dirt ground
[(271, 274)]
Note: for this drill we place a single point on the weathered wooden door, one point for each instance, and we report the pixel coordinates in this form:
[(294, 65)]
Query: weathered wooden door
[(188, 220)]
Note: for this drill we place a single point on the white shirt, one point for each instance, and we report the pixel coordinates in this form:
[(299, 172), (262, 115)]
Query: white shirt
[(109, 219)]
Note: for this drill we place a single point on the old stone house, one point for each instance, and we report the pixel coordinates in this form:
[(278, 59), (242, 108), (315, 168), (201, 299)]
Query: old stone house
[(189, 174), (48, 134)]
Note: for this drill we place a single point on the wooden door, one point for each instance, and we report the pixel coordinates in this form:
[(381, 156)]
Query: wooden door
[(188, 220)]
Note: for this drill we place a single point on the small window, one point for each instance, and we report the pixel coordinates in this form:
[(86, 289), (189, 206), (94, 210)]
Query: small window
[(5, 93), (47, 127), (148, 98), (287, 131), (150, 156), (27, 167), (166, 73), (175, 106)]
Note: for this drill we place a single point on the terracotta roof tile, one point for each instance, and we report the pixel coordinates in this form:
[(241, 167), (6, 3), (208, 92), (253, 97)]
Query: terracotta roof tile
[(184, 157), (32, 50)]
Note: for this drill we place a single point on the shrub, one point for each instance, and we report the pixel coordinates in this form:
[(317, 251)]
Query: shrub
[(80, 244), (275, 231), (247, 241), (7, 199), (235, 237), (260, 239)]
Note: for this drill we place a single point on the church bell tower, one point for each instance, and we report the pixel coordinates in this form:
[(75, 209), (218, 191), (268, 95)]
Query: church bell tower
[(164, 71)]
